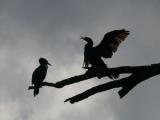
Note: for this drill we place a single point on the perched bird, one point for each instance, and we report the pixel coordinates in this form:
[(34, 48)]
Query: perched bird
[(106, 48), (39, 74)]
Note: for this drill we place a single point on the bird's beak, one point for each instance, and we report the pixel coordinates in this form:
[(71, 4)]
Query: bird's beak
[(81, 37), (49, 64)]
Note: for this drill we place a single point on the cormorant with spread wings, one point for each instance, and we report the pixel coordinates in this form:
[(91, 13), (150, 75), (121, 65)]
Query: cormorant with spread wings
[(106, 48)]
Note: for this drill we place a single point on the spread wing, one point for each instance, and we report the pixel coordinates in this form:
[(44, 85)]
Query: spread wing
[(111, 42)]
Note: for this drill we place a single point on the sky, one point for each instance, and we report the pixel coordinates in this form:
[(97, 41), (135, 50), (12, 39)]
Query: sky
[(30, 29)]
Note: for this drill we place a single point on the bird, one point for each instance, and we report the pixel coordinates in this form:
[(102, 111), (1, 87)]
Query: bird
[(39, 75), (105, 49)]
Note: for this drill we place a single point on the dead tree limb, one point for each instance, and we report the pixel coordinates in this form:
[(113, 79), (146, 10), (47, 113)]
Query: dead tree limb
[(139, 74), (91, 73)]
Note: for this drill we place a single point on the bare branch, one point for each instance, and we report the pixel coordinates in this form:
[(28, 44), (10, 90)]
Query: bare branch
[(139, 74)]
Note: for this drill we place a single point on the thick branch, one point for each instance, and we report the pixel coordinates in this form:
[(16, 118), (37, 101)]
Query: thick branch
[(139, 74), (91, 73)]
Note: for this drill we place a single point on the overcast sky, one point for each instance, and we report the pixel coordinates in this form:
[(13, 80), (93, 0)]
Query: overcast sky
[(30, 29)]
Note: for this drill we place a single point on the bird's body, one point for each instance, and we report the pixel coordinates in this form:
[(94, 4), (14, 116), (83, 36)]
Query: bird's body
[(88, 51), (92, 58), (39, 75)]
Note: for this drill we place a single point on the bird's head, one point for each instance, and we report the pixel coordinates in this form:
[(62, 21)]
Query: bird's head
[(87, 39), (43, 61)]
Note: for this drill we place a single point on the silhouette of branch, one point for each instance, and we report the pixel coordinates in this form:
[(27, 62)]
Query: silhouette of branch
[(44, 84), (139, 74), (67, 81), (91, 73)]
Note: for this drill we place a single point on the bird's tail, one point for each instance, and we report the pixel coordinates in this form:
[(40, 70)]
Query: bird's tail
[(36, 91)]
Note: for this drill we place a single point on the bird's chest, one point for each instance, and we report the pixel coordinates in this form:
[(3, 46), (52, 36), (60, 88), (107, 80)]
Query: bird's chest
[(40, 73)]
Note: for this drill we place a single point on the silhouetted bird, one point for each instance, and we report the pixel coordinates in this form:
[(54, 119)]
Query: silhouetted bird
[(39, 74), (106, 48)]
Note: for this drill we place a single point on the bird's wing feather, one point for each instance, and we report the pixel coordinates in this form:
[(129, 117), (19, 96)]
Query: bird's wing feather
[(111, 42)]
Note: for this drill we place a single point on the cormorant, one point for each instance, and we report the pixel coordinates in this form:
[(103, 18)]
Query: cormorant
[(106, 48), (39, 74)]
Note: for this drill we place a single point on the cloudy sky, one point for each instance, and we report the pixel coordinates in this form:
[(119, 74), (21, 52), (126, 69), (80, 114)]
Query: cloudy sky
[(30, 29)]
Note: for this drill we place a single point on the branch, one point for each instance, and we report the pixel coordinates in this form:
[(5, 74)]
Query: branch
[(139, 74), (91, 73)]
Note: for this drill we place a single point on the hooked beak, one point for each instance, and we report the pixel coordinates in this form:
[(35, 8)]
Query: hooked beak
[(81, 37), (49, 64)]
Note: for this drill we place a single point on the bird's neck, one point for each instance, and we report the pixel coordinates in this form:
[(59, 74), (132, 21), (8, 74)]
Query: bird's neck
[(89, 45), (44, 65)]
